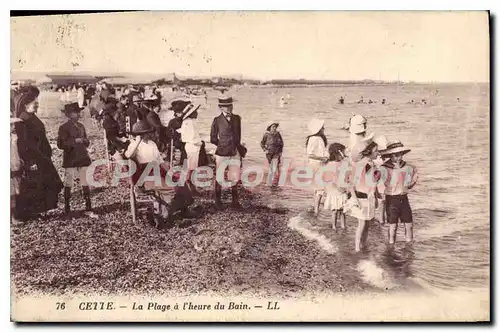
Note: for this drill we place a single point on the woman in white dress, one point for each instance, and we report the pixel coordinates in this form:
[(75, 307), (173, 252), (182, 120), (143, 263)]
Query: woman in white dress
[(193, 143), (363, 180)]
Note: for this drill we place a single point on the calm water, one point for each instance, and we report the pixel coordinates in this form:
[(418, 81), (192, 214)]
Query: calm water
[(449, 139)]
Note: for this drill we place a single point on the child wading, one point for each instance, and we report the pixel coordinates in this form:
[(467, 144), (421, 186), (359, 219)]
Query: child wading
[(400, 178), (363, 201), (336, 189), (72, 139), (272, 144), (317, 155)]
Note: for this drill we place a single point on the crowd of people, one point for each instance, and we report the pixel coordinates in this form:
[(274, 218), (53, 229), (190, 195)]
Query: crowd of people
[(138, 128)]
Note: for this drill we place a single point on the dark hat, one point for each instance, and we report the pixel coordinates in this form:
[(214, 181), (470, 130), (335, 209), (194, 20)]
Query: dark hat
[(24, 96), (72, 108), (225, 101), (142, 112), (179, 106), (141, 127), (152, 100)]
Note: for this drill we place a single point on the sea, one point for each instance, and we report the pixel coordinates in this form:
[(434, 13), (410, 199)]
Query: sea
[(447, 128)]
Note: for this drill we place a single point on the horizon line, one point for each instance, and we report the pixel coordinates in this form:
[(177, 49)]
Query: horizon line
[(242, 77)]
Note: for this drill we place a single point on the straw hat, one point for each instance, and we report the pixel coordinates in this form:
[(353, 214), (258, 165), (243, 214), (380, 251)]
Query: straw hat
[(190, 110), (394, 147), (357, 124), (315, 126), (226, 101), (360, 147), (271, 124)]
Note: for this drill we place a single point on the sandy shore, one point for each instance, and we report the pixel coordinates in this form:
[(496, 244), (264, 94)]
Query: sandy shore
[(252, 250)]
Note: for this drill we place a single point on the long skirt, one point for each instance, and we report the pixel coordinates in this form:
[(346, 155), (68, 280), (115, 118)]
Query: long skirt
[(38, 191)]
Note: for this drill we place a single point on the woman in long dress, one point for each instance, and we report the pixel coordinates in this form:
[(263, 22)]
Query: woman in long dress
[(41, 185), (190, 136)]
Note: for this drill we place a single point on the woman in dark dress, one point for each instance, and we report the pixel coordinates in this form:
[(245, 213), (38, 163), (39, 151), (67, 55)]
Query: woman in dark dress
[(41, 183)]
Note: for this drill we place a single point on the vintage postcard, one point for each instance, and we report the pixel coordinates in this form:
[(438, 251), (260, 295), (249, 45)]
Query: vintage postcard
[(250, 166)]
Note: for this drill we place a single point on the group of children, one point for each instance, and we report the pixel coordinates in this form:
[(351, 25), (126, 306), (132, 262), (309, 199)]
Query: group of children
[(368, 173)]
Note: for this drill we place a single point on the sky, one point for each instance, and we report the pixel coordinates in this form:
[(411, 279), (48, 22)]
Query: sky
[(411, 46)]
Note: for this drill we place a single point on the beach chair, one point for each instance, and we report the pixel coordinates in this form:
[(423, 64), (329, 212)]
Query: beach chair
[(153, 200)]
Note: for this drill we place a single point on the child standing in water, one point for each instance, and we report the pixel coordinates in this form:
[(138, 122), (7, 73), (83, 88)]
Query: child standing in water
[(272, 145), (317, 155), (400, 177), (336, 194), (363, 180)]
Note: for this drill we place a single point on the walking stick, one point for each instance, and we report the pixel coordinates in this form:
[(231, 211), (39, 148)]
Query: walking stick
[(171, 152), (131, 188), (107, 151)]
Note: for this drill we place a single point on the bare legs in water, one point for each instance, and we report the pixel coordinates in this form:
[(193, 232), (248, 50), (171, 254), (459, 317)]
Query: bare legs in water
[(340, 216), (393, 228), (317, 201), (361, 234)]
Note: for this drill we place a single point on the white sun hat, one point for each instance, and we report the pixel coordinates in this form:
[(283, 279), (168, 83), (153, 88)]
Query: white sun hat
[(381, 141), (315, 125), (357, 124)]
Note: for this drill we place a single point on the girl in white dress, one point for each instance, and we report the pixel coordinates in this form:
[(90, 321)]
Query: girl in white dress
[(193, 143), (317, 155), (363, 180), (336, 189)]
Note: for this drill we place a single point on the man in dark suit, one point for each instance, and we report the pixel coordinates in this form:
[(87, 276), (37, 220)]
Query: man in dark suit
[(226, 135)]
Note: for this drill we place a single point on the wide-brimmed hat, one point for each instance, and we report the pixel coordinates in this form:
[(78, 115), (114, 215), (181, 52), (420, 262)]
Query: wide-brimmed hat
[(190, 109), (136, 98), (357, 124), (141, 127), (360, 147), (272, 123), (72, 108), (24, 96), (152, 99), (315, 125), (225, 101), (394, 147)]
